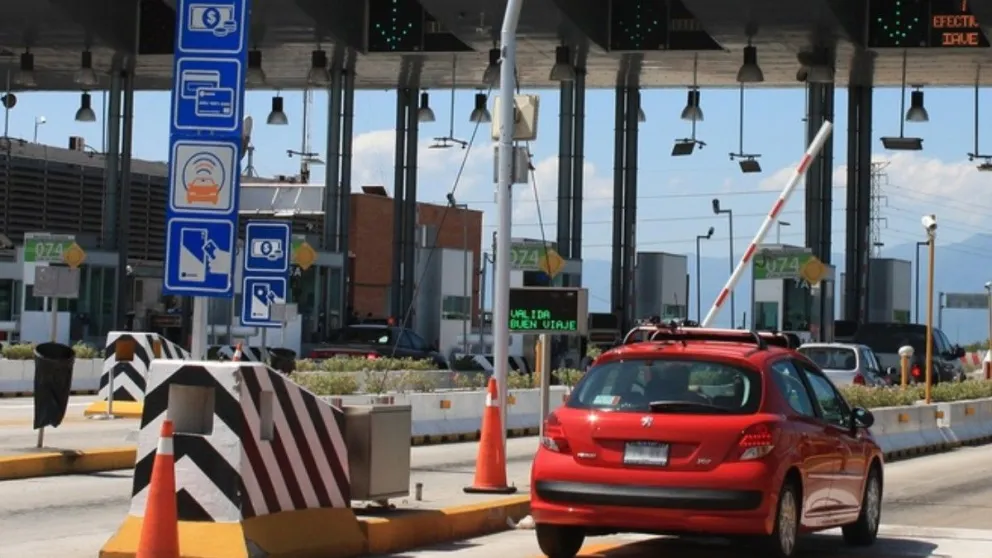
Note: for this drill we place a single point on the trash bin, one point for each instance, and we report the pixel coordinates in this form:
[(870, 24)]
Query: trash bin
[(53, 364), (283, 360)]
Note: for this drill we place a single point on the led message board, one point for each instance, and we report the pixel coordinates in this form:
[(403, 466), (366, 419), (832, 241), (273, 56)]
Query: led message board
[(558, 311), (923, 23)]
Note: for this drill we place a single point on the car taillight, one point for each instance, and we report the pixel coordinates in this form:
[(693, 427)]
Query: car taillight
[(371, 356), (554, 435), (859, 379), (756, 442), (916, 371)]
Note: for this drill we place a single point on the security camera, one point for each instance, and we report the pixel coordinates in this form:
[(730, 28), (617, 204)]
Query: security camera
[(930, 223), (801, 75), (988, 285)]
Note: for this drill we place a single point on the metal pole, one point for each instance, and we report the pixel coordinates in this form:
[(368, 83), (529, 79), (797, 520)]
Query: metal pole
[(55, 318), (940, 311), (198, 349), (916, 301), (733, 312), (501, 305), (988, 348), (929, 357), (6, 109), (468, 262), (544, 362), (126, 298), (699, 282)]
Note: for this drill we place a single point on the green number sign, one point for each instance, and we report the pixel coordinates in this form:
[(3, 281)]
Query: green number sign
[(535, 257), (46, 247)]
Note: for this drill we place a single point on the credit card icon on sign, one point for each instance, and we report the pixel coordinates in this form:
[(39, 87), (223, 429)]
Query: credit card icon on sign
[(217, 102), (195, 80)]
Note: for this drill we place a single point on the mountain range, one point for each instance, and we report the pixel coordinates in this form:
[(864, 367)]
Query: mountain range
[(961, 268)]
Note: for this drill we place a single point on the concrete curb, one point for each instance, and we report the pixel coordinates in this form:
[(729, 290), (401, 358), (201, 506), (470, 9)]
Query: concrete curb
[(329, 533), (122, 409), (66, 462)]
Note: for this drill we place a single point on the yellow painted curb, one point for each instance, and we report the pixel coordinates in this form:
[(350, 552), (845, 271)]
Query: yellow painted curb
[(327, 533), (65, 463), (317, 533), (417, 528), (122, 409)]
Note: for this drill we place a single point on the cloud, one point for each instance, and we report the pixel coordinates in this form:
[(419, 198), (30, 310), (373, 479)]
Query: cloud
[(372, 164)]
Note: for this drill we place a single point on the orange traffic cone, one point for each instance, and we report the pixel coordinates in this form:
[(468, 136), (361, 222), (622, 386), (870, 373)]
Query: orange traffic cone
[(160, 527), (237, 354), (490, 465)]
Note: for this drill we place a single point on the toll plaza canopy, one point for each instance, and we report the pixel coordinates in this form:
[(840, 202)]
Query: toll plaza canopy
[(440, 43)]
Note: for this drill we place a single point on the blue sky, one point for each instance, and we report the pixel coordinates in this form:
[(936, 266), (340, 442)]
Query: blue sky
[(675, 193)]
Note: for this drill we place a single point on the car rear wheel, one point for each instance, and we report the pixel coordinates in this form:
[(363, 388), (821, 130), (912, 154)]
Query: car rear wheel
[(784, 538), (558, 541), (864, 531)]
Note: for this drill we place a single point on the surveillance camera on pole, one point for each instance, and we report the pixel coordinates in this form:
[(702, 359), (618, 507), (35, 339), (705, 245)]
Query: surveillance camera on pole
[(930, 223)]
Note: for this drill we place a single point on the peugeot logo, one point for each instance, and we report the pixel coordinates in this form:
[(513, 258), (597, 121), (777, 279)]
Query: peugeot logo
[(646, 422)]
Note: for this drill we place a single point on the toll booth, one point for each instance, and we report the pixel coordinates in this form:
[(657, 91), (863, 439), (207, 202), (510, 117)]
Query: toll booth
[(792, 291)]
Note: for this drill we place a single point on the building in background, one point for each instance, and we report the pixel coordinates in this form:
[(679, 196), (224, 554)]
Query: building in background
[(661, 286), (449, 230), (890, 294)]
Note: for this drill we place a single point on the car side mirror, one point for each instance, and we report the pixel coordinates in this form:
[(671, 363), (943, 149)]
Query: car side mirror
[(861, 418), (959, 351), (892, 371)]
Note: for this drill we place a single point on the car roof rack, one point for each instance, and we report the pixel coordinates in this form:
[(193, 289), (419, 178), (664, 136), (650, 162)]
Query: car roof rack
[(678, 332)]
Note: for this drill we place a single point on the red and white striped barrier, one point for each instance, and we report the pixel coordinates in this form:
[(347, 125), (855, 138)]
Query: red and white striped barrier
[(783, 198)]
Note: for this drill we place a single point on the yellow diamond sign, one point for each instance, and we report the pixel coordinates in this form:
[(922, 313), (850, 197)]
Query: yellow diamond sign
[(813, 271), (551, 263), (304, 255), (74, 256)]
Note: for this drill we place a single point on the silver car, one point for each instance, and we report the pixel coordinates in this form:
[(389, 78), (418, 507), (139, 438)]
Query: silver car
[(846, 363)]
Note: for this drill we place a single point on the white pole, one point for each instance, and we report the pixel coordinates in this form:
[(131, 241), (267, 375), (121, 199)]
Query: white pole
[(55, 318), (501, 294), (783, 198), (198, 343)]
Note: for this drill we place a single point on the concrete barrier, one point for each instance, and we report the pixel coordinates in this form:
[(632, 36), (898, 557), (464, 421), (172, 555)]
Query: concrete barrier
[(17, 377), (918, 429)]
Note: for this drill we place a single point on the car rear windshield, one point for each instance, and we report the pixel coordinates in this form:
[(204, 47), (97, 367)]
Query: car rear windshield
[(363, 336), (831, 358), (668, 385)]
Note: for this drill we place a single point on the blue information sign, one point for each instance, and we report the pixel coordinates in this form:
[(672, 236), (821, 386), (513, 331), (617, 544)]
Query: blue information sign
[(205, 147), (266, 270), (258, 295)]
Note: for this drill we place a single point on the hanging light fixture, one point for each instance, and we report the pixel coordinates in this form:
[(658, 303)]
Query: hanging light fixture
[(491, 75), (917, 112), (256, 75), (641, 116), (85, 76), (85, 112), (25, 75), (902, 143), (563, 69), (692, 111), (750, 71), (277, 117), (424, 113), (318, 74), (480, 114)]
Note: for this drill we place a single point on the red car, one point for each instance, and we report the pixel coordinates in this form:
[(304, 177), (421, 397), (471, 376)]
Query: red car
[(705, 432)]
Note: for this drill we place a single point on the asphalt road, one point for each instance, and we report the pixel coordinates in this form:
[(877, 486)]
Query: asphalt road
[(17, 435), (937, 506), (72, 516)]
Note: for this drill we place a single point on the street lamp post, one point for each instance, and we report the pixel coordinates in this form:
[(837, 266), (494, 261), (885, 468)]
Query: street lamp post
[(699, 274), (778, 230), (916, 301), (37, 124), (930, 226), (988, 349), (730, 217)]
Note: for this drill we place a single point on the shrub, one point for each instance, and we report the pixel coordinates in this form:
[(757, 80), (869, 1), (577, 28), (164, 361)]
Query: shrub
[(568, 376), (363, 364), (417, 381), (379, 381), (872, 397), (328, 383), (593, 352), (470, 380), (18, 351), (84, 351), (307, 365), (519, 380)]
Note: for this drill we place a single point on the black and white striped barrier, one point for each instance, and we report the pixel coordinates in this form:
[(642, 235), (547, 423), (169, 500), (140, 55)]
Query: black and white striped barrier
[(251, 448), (127, 377)]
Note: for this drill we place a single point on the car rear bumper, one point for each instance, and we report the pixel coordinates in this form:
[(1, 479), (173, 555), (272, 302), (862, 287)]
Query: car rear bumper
[(678, 498)]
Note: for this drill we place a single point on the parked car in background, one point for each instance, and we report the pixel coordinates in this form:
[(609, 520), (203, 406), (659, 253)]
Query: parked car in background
[(885, 339), (848, 364), (377, 340)]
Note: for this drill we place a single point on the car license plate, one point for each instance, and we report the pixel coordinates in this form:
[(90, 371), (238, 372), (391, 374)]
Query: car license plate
[(646, 453)]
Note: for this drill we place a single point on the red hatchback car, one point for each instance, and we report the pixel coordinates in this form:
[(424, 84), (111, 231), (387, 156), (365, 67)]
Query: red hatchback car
[(705, 432)]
